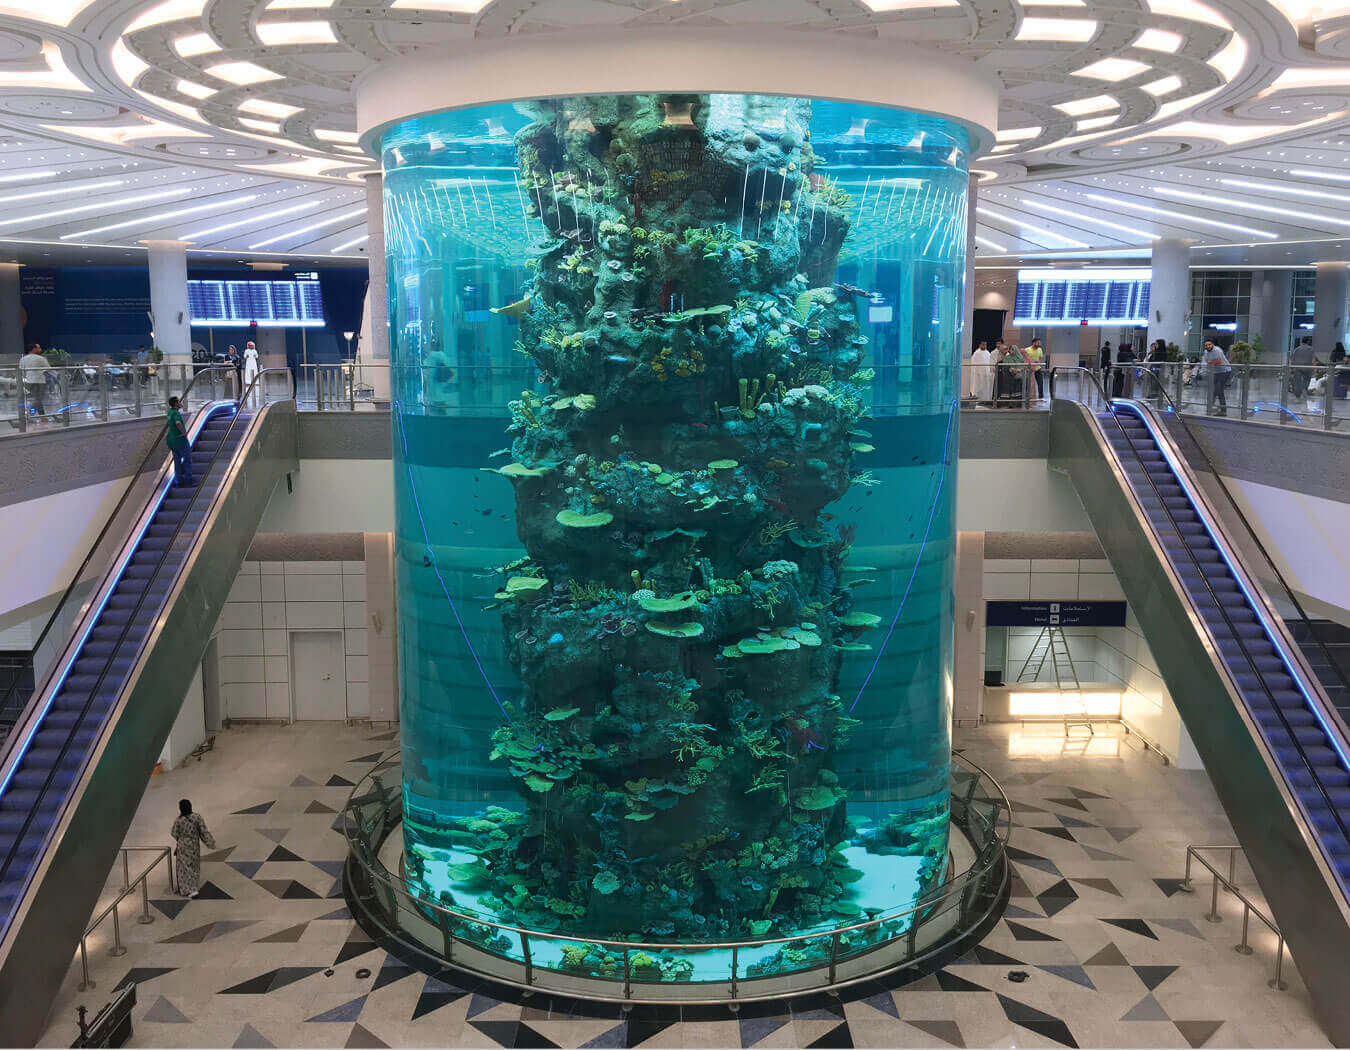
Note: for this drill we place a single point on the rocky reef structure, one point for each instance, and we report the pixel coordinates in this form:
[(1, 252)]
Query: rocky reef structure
[(679, 619)]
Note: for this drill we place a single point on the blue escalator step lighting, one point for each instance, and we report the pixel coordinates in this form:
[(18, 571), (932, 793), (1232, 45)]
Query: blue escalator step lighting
[(58, 739), (1284, 705)]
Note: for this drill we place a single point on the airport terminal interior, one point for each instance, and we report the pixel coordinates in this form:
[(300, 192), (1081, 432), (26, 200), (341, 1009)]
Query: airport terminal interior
[(674, 523)]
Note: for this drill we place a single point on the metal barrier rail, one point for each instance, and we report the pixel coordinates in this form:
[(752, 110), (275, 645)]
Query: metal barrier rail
[(962, 888), (1229, 882), (162, 853)]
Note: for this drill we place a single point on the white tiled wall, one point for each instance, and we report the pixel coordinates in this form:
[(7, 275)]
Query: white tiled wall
[(1067, 579), (270, 599)]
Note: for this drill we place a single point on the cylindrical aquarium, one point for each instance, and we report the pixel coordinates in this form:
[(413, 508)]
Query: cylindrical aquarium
[(675, 384)]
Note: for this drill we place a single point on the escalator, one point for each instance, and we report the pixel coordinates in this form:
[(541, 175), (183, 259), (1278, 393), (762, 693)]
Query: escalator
[(76, 764), (1275, 748)]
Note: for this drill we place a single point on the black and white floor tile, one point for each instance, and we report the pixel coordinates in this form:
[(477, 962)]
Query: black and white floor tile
[(1098, 946)]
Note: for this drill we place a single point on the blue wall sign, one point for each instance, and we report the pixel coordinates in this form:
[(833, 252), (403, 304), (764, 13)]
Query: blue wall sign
[(1055, 614)]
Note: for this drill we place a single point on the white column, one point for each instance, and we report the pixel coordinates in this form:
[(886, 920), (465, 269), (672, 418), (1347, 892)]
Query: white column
[(1330, 293), (373, 348), (1170, 292), (1272, 320), (968, 305), (168, 300), (11, 312)]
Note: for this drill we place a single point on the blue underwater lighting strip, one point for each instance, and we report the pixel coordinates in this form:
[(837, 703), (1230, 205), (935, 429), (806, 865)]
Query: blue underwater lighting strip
[(128, 552), (1257, 607), (918, 558), (435, 566)]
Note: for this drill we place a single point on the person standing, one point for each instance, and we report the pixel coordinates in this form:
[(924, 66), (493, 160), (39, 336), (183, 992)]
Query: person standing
[(1301, 363), (982, 374), (1219, 372), (1120, 385), (189, 831), (233, 359), (33, 373), (1035, 358), (250, 372), (176, 437), (1104, 359)]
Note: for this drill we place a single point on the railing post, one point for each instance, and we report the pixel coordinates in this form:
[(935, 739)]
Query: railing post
[(735, 968), (1243, 386), (63, 392), (1232, 870), (1214, 915), (1276, 982), (138, 381), (1284, 393), (447, 938), (1186, 886), (87, 983), (103, 396), (22, 403), (1244, 948), (1178, 372), (1328, 397), (834, 955), (529, 963), (117, 948), (126, 869), (627, 977)]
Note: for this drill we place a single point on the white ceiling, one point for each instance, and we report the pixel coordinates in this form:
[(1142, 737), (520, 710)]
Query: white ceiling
[(230, 123)]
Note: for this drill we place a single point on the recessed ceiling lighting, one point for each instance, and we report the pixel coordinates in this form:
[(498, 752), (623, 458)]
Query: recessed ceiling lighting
[(268, 109), (1159, 40), (472, 7), (1233, 202), (1112, 69), (195, 44), (242, 73), (1022, 224), (284, 34), (1069, 213), (1073, 30), (1330, 176), (112, 205), (293, 234), (162, 217), (1016, 134), (187, 87), (1083, 106), (257, 221), (1185, 219), (1092, 123)]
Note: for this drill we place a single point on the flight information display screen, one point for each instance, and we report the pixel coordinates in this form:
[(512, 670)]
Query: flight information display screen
[(271, 304), (1054, 297)]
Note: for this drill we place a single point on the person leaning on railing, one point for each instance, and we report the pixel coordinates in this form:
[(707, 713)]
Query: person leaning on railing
[(33, 371)]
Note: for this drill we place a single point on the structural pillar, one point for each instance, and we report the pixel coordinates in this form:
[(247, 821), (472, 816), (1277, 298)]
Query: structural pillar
[(968, 303), (1330, 293), (169, 300), (11, 312), (1170, 292), (1272, 319), (373, 348)]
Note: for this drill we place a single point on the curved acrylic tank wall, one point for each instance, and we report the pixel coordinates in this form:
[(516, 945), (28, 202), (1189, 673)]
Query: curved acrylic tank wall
[(675, 384)]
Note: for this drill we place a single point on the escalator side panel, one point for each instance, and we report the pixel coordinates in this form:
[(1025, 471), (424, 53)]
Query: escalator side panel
[(1307, 903), (62, 895)]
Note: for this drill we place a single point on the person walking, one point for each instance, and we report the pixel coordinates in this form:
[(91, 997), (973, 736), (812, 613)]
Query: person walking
[(33, 373), (1104, 360), (189, 831), (176, 437), (1301, 363), (1219, 372)]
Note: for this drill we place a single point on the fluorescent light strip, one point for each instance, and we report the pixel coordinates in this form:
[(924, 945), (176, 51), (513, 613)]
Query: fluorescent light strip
[(351, 244), (154, 220), (1023, 225), (157, 195), (1184, 218), (1309, 173), (63, 191), (28, 176), (992, 245), (1266, 209), (255, 221), (1070, 213), (346, 216), (1057, 30), (1293, 191)]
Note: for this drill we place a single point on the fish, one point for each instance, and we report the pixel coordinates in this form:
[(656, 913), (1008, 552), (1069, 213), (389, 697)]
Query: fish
[(518, 309)]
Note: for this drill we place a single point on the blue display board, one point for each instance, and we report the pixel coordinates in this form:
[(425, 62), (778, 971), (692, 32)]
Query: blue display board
[(1054, 614), (1059, 298), (269, 304)]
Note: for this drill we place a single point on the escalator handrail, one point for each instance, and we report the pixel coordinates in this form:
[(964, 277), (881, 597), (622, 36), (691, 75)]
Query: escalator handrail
[(48, 688), (157, 450), (1237, 638), (1209, 464)]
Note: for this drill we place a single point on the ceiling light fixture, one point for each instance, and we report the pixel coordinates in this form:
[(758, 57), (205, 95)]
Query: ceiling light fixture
[(28, 176), (1310, 173), (1266, 209), (268, 109), (1186, 219), (241, 73), (1058, 30), (188, 87), (63, 191), (293, 34), (1022, 224), (332, 220), (162, 217), (992, 245), (1159, 40), (1293, 191), (1165, 86), (1190, 10), (169, 11), (1112, 69), (112, 205), (351, 244), (1071, 214), (1082, 107), (195, 44), (256, 221), (1092, 123)]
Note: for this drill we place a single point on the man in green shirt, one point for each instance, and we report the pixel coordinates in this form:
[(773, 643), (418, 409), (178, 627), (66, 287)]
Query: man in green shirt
[(177, 439), (1035, 356)]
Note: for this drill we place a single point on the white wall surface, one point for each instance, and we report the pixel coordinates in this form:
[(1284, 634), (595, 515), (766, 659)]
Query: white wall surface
[(268, 601), (189, 728), (1016, 495), (334, 495)]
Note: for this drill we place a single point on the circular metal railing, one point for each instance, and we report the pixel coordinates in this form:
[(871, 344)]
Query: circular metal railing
[(711, 972)]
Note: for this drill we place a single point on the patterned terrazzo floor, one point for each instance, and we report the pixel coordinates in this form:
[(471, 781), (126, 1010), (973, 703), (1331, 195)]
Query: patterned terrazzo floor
[(1112, 953)]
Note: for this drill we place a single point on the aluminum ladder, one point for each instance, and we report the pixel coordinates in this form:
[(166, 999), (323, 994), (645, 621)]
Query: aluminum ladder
[(1052, 644)]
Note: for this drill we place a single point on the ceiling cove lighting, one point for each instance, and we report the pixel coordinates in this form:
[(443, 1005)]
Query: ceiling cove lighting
[(1293, 191), (162, 217), (1065, 30), (29, 176), (1265, 209), (1165, 86), (1083, 107), (1159, 40), (1022, 224), (256, 221), (351, 244), (55, 76), (1185, 218), (63, 191), (195, 44), (472, 7), (330, 135), (292, 34), (1230, 60), (241, 73), (1069, 213), (188, 87), (112, 205), (1093, 123), (169, 11), (1309, 173), (1190, 10), (1007, 135), (264, 108), (1112, 69), (292, 5), (332, 220)]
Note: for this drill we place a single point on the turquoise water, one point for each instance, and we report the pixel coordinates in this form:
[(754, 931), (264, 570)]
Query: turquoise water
[(675, 436)]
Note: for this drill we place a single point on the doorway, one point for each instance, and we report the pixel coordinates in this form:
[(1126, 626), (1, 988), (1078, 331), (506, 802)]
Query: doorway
[(318, 676), (988, 325), (211, 687)]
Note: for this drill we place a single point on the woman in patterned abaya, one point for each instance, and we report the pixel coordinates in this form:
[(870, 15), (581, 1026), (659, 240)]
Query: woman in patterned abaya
[(189, 830)]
